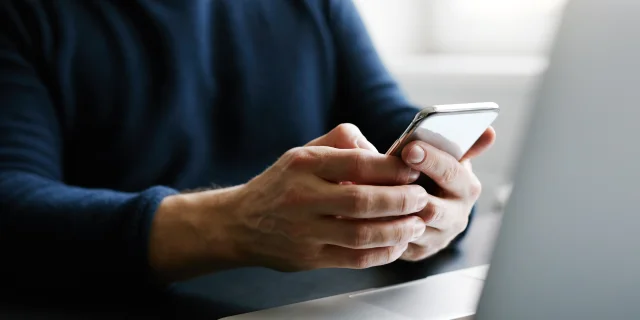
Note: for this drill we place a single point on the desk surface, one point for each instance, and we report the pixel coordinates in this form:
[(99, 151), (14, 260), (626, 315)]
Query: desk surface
[(245, 290)]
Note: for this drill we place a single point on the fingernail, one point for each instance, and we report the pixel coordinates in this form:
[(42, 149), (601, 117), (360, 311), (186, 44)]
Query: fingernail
[(422, 201), (363, 143), (414, 175), (416, 155), (418, 229)]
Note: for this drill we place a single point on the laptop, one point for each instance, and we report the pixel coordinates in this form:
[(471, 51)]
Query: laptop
[(569, 245)]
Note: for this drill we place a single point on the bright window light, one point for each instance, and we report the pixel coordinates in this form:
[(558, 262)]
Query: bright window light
[(498, 27)]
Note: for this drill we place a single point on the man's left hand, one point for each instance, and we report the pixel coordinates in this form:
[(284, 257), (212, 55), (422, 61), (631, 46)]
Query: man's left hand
[(448, 209)]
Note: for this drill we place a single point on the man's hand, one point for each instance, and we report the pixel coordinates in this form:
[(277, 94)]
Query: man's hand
[(447, 212), (344, 136), (287, 217)]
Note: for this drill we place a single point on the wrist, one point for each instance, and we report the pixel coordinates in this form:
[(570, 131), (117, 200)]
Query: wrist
[(190, 237)]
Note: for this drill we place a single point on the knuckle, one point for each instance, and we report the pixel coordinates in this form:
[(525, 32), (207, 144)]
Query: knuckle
[(440, 246), (307, 257), (388, 255), (294, 195), (460, 225), (425, 252), (419, 253), (362, 236), (404, 202), (436, 245), (403, 174), (475, 188), (358, 160), (346, 129), (431, 162), (433, 212), (346, 136), (360, 202), (399, 235), (296, 232), (451, 173), (363, 260), (293, 152), (467, 165), (299, 157)]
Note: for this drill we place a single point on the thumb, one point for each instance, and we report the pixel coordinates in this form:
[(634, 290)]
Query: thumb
[(344, 136)]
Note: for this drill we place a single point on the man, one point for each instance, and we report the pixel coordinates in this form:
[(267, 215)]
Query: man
[(112, 109)]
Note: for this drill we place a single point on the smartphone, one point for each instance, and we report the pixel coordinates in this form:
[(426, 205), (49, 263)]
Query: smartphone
[(451, 128)]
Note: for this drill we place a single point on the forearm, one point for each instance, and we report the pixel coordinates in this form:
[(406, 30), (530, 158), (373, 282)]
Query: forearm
[(52, 234), (57, 235), (190, 235)]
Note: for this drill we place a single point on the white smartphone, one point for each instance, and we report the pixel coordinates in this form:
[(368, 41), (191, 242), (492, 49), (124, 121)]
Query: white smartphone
[(451, 128)]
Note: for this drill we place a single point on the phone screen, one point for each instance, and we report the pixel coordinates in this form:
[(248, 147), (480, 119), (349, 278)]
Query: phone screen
[(454, 133)]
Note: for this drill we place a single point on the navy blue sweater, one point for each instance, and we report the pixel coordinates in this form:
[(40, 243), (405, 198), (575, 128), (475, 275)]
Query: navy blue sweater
[(107, 107)]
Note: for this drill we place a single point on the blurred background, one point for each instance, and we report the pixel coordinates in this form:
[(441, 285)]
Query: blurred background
[(457, 51)]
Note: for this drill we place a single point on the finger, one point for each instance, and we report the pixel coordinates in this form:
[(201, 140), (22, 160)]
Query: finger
[(467, 164), (344, 136), (483, 143), (363, 201), (356, 165), (415, 252), (442, 168), (444, 215), (430, 236), (435, 214), (366, 234), (339, 257)]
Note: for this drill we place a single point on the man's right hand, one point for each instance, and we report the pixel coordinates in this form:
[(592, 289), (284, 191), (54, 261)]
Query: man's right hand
[(286, 218)]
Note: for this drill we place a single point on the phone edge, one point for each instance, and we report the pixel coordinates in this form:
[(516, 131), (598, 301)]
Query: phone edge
[(443, 108)]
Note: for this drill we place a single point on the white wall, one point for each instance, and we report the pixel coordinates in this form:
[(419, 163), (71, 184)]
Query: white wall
[(397, 27), (503, 27)]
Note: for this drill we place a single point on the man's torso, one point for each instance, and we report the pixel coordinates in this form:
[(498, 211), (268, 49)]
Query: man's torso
[(182, 93)]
